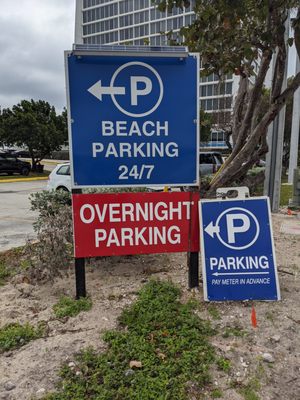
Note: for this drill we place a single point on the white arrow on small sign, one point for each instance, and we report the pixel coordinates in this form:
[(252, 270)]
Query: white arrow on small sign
[(211, 229)]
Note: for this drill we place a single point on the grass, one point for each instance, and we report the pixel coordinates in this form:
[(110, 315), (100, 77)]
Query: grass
[(234, 331), (68, 307), (249, 391), (224, 364), (4, 273), (286, 193), (213, 311), (31, 175), (12, 262), (167, 341), (13, 336), (216, 394)]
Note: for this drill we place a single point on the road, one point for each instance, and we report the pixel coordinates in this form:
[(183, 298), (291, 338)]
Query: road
[(16, 218)]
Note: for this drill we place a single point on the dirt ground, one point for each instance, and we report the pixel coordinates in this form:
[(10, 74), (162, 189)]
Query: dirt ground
[(265, 359)]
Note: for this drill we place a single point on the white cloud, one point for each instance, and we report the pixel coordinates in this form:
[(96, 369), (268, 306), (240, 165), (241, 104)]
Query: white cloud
[(34, 34)]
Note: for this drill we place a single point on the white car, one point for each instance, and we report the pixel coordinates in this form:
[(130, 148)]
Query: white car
[(60, 178)]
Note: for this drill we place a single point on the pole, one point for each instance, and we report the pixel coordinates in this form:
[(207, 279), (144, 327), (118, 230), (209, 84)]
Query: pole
[(80, 277), (193, 265), (272, 184), (293, 163), (79, 268), (193, 257)]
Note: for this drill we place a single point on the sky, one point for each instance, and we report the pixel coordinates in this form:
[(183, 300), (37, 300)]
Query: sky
[(33, 37)]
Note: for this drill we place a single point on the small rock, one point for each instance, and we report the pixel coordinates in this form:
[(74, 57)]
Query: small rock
[(40, 393), (129, 372), (71, 364), (267, 357), (9, 385), (77, 373), (275, 338)]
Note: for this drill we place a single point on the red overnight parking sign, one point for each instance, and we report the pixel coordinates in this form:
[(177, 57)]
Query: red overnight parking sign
[(135, 223)]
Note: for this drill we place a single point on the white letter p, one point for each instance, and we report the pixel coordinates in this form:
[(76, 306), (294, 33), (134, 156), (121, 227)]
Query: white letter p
[(232, 230), (135, 92)]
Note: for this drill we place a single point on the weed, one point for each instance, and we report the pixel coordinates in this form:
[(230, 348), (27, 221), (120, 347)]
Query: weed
[(216, 394), (234, 331), (68, 307), (13, 336), (165, 338), (4, 273), (249, 393), (224, 364), (213, 311), (270, 316), (249, 390)]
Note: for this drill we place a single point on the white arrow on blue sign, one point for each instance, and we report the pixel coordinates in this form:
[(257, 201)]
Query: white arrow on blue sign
[(238, 257)]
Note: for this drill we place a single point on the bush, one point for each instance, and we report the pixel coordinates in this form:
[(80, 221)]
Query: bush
[(54, 249)]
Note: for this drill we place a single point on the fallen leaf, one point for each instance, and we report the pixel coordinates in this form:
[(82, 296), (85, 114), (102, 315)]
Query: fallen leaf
[(135, 364)]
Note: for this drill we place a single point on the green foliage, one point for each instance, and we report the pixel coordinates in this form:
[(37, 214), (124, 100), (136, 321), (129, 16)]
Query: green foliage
[(35, 125), (249, 391), (68, 307), (234, 331), (166, 339), (53, 252), (224, 364), (229, 33), (4, 273), (47, 204), (216, 394), (13, 336), (205, 126), (286, 193), (213, 311)]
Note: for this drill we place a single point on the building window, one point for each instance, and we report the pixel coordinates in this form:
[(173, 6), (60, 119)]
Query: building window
[(126, 20)]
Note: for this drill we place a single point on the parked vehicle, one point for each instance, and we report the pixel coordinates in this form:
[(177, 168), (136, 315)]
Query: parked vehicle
[(22, 153), (210, 162), (60, 178), (10, 164)]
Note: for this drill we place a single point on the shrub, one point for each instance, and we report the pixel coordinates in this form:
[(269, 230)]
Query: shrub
[(53, 252)]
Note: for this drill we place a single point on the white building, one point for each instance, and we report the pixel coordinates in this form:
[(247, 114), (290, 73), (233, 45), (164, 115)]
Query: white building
[(138, 22)]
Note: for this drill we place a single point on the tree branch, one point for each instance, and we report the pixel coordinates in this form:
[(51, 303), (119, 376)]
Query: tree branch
[(239, 107)]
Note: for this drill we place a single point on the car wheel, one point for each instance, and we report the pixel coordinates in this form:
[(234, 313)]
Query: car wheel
[(62, 189), (25, 171)]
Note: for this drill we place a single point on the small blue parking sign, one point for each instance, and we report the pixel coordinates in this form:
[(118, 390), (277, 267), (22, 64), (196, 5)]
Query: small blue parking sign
[(238, 257), (133, 119)]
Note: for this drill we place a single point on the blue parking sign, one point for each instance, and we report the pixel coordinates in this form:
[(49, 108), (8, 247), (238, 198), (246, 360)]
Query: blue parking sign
[(133, 119), (238, 258)]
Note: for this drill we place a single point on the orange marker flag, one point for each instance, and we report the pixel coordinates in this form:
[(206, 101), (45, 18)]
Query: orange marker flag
[(289, 212), (253, 317)]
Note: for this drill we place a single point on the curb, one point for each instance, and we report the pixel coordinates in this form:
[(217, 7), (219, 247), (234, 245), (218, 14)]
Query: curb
[(44, 178)]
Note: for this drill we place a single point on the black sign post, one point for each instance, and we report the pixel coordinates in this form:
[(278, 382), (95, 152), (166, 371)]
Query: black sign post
[(79, 268), (193, 257)]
